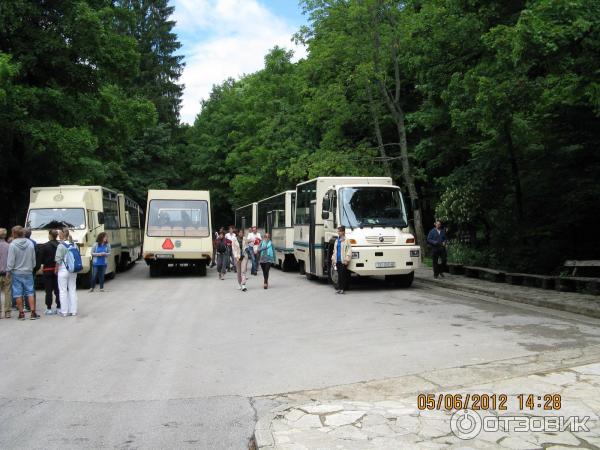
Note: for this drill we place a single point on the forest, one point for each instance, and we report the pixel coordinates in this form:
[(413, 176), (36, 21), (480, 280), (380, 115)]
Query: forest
[(486, 113)]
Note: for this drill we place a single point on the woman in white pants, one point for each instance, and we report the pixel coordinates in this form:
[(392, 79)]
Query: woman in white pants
[(67, 281)]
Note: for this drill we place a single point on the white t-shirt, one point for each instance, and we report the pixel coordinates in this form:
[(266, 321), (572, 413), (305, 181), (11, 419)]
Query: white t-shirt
[(230, 236), (253, 236)]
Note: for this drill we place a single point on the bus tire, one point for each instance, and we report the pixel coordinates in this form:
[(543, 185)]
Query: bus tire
[(84, 281), (155, 270), (401, 281), (289, 263), (332, 274)]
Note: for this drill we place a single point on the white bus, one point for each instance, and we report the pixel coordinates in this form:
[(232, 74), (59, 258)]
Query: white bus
[(373, 212), (86, 211), (177, 230), (131, 218), (245, 216), (275, 215)]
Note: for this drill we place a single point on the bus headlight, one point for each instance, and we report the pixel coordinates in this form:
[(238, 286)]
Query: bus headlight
[(414, 253)]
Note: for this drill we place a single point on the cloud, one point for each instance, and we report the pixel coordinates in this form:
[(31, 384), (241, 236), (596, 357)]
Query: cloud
[(222, 39)]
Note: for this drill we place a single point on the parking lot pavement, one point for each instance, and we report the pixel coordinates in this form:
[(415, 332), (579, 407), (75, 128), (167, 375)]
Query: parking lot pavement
[(184, 361)]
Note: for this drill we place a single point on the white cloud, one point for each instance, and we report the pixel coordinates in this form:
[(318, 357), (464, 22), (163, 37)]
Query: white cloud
[(225, 38)]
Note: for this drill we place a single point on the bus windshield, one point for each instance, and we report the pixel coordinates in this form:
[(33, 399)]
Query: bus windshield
[(49, 218), (178, 218), (371, 207)]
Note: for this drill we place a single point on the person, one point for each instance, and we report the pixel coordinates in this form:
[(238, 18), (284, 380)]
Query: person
[(48, 262), (267, 257), (437, 242), (214, 255), (100, 250), (67, 281), (20, 264), (5, 290), (229, 238), (222, 254), (241, 261), (37, 264), (340, 258), (254, 239)]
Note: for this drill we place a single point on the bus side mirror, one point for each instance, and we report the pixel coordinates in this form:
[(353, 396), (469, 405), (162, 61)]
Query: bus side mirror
[(325, 215), (101, 218)]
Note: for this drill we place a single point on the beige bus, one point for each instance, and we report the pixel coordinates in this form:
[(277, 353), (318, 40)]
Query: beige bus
[(275, 215), (372, 210), (86, 211), (177, 230), (131, 218)]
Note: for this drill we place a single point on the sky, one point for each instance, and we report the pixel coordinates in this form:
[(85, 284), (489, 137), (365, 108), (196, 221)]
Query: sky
[(229, 38)]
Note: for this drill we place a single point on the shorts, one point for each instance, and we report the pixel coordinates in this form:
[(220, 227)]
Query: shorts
[(22, 285)]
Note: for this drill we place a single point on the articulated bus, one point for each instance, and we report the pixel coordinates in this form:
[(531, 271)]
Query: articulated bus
[(86, 211), (372, 210), (177, 230), (245, 216), (275, 215)]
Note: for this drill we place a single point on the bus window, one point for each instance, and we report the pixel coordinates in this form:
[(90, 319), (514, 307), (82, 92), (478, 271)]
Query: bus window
[(306, 193), (178, 218)]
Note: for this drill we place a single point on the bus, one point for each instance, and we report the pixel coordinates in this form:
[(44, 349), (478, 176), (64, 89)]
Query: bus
[(87, 211), (131, 218), (372, 210), (177, 231), (245, 216), (275, 216)]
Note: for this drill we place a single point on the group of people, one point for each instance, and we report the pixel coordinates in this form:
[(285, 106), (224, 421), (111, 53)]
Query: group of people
[(20, 260), (235, 250)]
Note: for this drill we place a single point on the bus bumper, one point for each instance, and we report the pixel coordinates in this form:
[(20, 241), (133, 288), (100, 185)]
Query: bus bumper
[(385, 260)]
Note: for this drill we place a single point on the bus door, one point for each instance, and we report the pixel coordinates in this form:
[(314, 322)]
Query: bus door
[(311, 238), (270, 222)]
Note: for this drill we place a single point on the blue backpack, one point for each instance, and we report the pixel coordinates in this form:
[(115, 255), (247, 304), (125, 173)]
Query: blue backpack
[(72, 258)]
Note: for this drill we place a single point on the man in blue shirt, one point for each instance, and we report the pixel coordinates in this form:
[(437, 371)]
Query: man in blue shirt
[(437, 242)]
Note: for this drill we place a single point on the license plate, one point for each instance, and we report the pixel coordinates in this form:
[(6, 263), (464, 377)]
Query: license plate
[(384, 265), (414, 253), (355, 255), (163, 256)]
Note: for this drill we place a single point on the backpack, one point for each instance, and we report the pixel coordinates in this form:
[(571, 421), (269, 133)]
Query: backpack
[(221, 247), (72, 259)]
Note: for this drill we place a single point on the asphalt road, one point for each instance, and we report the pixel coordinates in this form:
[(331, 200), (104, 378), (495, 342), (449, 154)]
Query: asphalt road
[(176, 362)]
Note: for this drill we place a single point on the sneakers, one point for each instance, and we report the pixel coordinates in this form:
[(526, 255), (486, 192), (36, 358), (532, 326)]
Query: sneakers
[(101, 289), (63, 314), (72, 314), (92, 290), (49, 312), (265, 286), (34, 316), (21, 316), (239, 287), (339, 291), (56, 311), (244, 289)]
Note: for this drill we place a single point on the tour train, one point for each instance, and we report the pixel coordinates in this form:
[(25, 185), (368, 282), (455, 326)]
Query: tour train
[(88, 211), (304, 222)]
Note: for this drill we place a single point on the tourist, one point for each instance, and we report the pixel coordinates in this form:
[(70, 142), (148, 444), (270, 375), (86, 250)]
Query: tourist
[(241, 260), (5, 304), (222, 254), (48, 262), (100, 250), (67, 281), (20, 264), (253, 241), (266, 258), (437, 243), (341, 257)]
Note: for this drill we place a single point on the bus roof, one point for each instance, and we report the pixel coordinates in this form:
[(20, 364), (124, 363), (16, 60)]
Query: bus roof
[(350, 180), (276, 195), (165, 194), (245, 206), (71, 187)]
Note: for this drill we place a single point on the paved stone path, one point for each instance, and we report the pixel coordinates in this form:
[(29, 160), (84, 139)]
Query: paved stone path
[(384, 414), (573, 302)]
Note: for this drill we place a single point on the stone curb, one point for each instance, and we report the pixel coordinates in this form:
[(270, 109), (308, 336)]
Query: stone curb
[(585, 306), (429, 381)]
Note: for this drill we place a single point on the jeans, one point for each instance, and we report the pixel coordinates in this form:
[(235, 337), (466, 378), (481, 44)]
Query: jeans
[(22, 285), (438, 254), (252, 258), (98, 272), (343, 276), (222, 262), (51, 286)]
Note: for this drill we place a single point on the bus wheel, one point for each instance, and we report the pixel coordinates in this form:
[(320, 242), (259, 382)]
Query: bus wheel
[(84, 281), (332, 274), (301, 268), (201, 269), (402, 281), (154, 270)]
